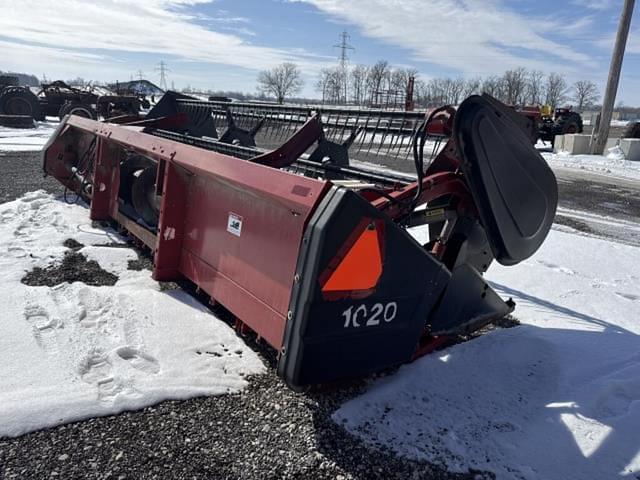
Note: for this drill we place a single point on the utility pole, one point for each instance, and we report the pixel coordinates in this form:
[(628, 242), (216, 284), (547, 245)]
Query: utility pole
[(343, 58), (597, 147), (162, 68)]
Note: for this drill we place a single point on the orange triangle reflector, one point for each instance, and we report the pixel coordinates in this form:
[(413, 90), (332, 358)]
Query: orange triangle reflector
[(361, 267)]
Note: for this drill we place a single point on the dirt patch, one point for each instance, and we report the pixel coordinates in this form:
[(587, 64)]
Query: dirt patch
[(74, 268), (72, 244), (142, 263), (145, 262)]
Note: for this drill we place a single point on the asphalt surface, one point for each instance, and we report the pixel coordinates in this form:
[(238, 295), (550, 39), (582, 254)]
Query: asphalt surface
[(267, 430), (590, 202), (599, 205)]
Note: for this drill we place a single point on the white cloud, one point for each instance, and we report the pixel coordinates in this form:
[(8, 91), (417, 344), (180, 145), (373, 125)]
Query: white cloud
[(160, 27), (471, 36), (596, 4), (606, 42), (60, 63)]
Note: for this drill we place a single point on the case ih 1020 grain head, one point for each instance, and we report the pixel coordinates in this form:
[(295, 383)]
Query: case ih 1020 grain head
[(313, 254)]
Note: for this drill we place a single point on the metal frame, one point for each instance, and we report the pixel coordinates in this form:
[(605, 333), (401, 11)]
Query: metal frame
[(285, 241)]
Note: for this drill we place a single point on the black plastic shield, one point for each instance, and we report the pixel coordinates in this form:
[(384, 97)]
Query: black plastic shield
[(513, 187), (327, 340)]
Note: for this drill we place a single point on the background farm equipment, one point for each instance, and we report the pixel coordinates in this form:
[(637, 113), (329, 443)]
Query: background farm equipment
[(306, 248), (547, 123), (58, 99), (19, 106), (632, 130)]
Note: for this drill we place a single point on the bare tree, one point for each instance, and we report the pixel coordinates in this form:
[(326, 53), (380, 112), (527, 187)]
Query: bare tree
[(515, 84), (358, 81), (535, 87), (330, 84), (323, 82), (281, 81), (421, 91), (493, 86), (400, 78), (455, 90), (377, 75), (436, 92), (472, 87), (341, 75), (585, 93), (555, 89)]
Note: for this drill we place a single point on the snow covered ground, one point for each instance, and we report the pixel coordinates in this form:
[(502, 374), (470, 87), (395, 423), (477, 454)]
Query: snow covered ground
[(555, 398), (26, 139), (614, 123), (76, 351), (613, 164)]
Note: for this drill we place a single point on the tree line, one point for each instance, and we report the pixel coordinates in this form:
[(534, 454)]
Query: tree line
[(382, 84)]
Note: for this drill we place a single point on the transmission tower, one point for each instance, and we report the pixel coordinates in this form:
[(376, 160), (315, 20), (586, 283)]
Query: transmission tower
[(140, 74), (344, 48), (343, 59), (163, 69)]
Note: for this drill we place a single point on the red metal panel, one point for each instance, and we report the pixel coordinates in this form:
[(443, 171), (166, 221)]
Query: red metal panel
[(105, 181), (268, 323), (248, 269), (171, 226)]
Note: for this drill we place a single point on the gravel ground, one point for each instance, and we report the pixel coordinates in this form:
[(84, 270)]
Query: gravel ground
[(21, 172), (266, 431)]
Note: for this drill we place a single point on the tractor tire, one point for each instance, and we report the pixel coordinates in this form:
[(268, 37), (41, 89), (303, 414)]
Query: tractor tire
[(632, 130), (17, 121), (569, 123), (80, 109), (20, 101)]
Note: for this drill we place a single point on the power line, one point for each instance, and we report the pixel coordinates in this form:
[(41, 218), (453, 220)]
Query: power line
[(163, 69)]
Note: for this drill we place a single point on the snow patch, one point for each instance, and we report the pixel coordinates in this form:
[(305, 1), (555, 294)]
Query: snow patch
[(555, 398), (75, 351), (26, 140), (613, 165)]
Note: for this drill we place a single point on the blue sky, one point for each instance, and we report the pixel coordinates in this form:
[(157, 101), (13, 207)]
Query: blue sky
[(222, 44)]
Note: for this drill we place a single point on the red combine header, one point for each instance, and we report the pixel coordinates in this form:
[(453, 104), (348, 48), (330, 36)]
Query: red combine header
[(311, 252)]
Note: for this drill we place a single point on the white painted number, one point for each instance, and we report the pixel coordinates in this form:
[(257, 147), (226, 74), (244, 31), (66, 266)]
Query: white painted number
[(377, 310), (354, 318), (390, 311)]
